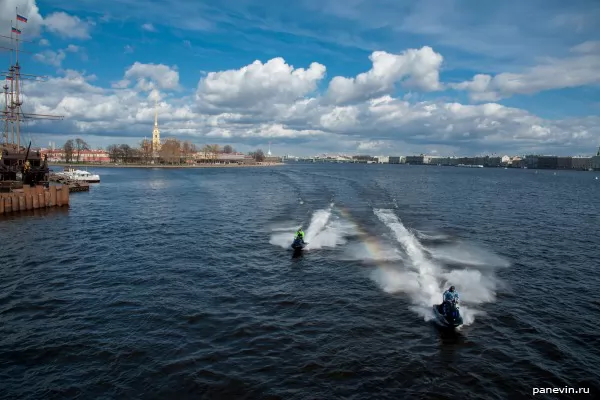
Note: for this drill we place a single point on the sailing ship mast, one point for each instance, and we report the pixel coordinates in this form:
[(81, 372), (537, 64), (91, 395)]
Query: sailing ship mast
[(13, 113)]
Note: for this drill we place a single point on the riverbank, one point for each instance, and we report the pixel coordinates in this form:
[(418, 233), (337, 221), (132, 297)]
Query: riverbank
[(106, 165)]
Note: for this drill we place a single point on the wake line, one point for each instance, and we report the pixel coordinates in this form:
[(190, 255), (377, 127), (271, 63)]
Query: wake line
[(323, 231), (424, 280)]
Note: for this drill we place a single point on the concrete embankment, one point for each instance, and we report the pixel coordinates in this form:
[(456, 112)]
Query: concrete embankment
[(167, 165)]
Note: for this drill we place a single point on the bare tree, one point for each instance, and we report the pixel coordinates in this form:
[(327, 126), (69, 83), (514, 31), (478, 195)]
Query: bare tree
[(80, 145), (146, 150), (68, 149), (114, 152), (171, 151), (258, 155), (186, 149), (205, 151), (215, 149), (126, 152)]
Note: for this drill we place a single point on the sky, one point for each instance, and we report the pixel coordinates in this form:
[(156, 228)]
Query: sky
[(379, 77)]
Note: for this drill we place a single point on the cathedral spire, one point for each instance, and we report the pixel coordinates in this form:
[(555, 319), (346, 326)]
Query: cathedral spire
[(155, 131), (156, 112)]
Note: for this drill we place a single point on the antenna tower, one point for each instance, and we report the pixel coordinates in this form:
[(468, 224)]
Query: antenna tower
[(12, 113)]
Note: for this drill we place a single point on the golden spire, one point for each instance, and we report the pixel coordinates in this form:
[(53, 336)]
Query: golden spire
[(156, 112), (156, 131)]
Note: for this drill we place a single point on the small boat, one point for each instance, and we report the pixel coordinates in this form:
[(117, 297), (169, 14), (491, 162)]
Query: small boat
[(79, 175)]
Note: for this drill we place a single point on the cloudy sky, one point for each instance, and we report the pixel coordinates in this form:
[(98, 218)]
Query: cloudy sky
[(391, 77)]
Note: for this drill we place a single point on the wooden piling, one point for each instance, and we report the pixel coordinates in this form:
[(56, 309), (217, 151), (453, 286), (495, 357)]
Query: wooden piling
[(34, 198), (22, 205), (29, 202), (52, 196)]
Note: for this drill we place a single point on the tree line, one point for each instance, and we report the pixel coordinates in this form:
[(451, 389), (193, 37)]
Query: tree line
[(172, 151)]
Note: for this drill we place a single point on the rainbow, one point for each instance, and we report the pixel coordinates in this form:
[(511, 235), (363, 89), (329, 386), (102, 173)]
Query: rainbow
[(369, 243)]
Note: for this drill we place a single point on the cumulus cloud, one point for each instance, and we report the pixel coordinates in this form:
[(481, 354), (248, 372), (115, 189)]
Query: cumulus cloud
[(50, 57), (274, 100), (56, 58), (257, 85), (419, 67), (68, 26), (577, 70), (150, 76)]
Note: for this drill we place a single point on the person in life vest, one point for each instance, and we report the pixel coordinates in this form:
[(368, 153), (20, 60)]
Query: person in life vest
[(299, 235), (450, 297)]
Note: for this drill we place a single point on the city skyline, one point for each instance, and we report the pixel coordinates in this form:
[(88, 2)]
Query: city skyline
[(315, 77)]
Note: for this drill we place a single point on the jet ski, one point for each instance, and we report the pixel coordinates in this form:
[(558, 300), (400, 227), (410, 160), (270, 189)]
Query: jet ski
[(451, 318), (299, 244)]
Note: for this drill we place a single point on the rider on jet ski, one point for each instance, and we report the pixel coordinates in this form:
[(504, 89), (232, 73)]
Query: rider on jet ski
[(450, 296), (299, 236)]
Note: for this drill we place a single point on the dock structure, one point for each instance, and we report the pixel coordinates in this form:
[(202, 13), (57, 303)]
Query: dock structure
[(34, 197), (74, 186)]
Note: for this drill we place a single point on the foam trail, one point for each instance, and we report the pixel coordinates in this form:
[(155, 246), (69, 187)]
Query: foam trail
[(425, 280), (324, 230)]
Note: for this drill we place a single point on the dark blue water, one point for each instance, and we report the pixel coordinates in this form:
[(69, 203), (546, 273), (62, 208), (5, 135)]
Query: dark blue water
[(174, 284)]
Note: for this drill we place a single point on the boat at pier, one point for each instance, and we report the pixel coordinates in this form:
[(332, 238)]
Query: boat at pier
[(78, 175)]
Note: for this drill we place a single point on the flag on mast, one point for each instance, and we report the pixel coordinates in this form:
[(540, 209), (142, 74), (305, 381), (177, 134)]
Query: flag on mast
[(21, 18), (17, 31)]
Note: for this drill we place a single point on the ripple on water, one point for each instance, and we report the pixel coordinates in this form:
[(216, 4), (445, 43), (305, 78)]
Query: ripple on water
[(164, 284)]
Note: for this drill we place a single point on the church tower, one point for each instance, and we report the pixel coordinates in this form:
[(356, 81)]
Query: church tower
[(155, 131)]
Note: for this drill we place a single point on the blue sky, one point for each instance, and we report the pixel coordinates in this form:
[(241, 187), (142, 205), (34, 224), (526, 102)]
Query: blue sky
[(541, 59)]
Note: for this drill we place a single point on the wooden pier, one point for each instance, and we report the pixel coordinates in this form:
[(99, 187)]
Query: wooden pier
[(33, 198)]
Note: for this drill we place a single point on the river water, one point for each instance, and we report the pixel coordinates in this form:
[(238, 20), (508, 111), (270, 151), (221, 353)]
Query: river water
[(180, 283)]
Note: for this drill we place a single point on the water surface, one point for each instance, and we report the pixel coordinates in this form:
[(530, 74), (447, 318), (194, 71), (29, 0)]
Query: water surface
[(163, 283)]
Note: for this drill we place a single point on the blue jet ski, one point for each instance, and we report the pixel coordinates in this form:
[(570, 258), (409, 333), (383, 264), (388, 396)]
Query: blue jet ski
[(448, 314), (299, 244)]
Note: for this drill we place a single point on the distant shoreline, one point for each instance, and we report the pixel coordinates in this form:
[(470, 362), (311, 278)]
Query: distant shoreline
[(112, 165)]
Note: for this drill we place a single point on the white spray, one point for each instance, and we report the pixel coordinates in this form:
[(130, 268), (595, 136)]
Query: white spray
[(424, 279), (324, 230)]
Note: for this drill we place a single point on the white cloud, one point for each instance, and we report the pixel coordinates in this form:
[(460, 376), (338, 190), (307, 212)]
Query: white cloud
[(274, 100), (150, 76), (56, 58), (574, 71), (44, 42), (258, 85), (68, 26), (420, 67), (149, 27), (51, 57)]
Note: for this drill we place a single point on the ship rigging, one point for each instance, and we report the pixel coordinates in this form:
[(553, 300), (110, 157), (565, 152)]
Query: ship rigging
[(18, 164)]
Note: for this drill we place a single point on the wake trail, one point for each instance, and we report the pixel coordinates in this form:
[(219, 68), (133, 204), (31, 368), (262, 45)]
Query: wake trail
[(325, 230), (424, 279)]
